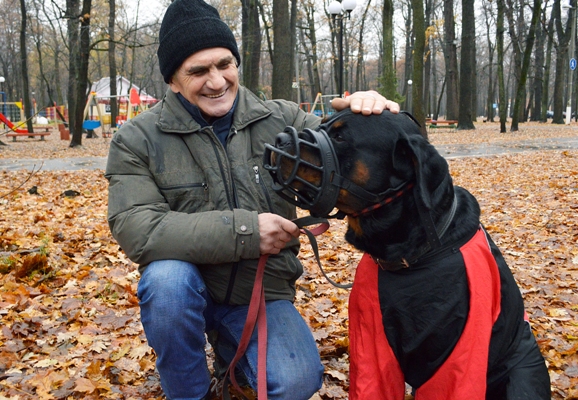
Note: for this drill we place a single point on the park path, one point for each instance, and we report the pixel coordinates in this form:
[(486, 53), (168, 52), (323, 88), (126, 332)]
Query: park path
[(451, 151)]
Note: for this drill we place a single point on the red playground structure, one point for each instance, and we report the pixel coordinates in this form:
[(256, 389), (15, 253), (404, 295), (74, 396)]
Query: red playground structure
[(11, 125)]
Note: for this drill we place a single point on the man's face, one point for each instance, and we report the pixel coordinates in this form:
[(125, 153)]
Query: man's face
[(208, 79)]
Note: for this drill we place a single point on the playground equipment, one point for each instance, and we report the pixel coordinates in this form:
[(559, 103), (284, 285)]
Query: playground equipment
[(321, 106), (90, 124), (19, 132), (130, 105), (10, 125)]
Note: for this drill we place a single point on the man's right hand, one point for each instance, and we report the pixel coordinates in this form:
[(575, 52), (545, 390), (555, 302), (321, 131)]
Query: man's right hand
[(275, 232)]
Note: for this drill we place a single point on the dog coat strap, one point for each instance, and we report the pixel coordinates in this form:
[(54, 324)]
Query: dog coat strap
[(374, 372), (463, 375)]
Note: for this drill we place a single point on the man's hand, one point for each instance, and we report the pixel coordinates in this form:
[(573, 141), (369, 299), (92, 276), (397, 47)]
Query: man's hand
[(275, 232), (367, 103)]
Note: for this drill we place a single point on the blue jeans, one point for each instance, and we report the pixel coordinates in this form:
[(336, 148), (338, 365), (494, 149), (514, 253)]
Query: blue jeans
[(176, 311)]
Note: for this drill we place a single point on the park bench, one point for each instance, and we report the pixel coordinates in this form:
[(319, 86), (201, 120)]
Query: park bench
[(28, 134), (41, 130), (450, 124)]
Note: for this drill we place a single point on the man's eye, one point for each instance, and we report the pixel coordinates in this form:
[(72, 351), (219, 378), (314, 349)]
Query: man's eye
[(198, 72), (225, 65)]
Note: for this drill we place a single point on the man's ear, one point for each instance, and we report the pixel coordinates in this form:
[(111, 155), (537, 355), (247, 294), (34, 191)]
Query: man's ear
[(174, 87)]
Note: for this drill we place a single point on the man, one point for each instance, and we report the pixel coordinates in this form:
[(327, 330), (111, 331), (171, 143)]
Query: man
[(190, 202)]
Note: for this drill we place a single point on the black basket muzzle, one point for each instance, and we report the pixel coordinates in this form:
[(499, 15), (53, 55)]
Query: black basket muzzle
[(285, 164)]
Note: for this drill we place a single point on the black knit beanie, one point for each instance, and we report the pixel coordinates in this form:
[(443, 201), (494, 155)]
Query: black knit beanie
[(189, 26)]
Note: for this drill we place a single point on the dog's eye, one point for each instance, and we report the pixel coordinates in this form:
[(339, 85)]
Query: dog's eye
[(338, 138)]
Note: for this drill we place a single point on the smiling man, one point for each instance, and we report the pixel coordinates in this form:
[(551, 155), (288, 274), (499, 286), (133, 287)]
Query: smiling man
[(189, 203)]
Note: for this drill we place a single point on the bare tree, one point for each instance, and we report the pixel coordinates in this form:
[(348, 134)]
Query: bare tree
[(312, 55), (546, 78), (517, 32), (503, 102), (360, 62), (282, 52), (489, 24), (389, 79), (538, 83), (112, 60), (251, 33), (418, 61), (409, 44), (28, 111), (562, 50), (79, 53), (451, 62), (520, 95), (467, 67)]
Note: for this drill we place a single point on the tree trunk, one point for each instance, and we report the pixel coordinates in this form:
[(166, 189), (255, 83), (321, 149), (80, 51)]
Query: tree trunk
[(72, 10), (546, 77), (112, 62), (451, 62), (418, 64), (503, 101), (409, 43), (516, 25), (81, 81), (314, 59), (561, 61), (427, 107), (294, 92), (360, 83), (28, 111), (267, 30), (468, 67), (520, 95), (282, 52), (388, 75), (490, 99), (251, 33), (539, 73)]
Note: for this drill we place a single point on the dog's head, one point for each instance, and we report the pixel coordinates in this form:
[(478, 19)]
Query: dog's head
[(363, 165)]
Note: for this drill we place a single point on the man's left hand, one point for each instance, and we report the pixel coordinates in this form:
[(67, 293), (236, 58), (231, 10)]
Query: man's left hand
[(369, 102)]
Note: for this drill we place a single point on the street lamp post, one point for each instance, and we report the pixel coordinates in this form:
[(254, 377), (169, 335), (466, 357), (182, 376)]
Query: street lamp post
[(337, 10), (409, 95), (571, 61)]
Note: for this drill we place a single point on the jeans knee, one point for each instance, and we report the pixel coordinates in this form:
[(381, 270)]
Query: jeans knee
[(301, 385), (168, 287), (170, 276)]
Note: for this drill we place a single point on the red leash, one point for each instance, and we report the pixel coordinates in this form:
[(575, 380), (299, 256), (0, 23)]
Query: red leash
[(257, 316)]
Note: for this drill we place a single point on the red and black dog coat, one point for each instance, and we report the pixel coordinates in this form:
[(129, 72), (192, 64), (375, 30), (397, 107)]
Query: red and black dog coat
[(420, 351)]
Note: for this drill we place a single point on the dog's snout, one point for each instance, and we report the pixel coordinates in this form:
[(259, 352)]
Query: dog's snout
[(284, 141)]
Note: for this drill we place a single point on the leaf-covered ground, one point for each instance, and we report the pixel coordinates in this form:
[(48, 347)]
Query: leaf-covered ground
[(70, 319)]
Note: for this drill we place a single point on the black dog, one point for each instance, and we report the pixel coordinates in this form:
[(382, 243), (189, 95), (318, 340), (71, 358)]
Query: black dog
[(433, 302)]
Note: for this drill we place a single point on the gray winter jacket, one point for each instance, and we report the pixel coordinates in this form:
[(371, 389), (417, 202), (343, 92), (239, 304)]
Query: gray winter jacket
[(176, 193)]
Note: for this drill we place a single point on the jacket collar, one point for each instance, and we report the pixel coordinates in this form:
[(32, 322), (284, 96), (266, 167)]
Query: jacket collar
[(174, 118)]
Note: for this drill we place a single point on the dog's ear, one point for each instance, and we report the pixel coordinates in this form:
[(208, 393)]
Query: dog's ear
[(430, 169)]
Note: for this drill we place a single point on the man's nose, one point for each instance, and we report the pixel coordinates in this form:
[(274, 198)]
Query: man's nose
[(215, 79)]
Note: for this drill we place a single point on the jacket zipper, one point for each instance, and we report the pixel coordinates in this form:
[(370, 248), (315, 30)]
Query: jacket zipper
[(222, 170), (233, 202), (261, 183)]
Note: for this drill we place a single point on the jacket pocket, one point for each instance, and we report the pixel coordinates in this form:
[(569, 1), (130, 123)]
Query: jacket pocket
[(191, 197)]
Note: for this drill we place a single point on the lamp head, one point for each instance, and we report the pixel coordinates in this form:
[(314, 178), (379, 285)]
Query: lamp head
[(335, 8), (349, 5)]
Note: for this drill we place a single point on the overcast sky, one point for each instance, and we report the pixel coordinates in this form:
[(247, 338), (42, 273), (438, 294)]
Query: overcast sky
[(148, 9)]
